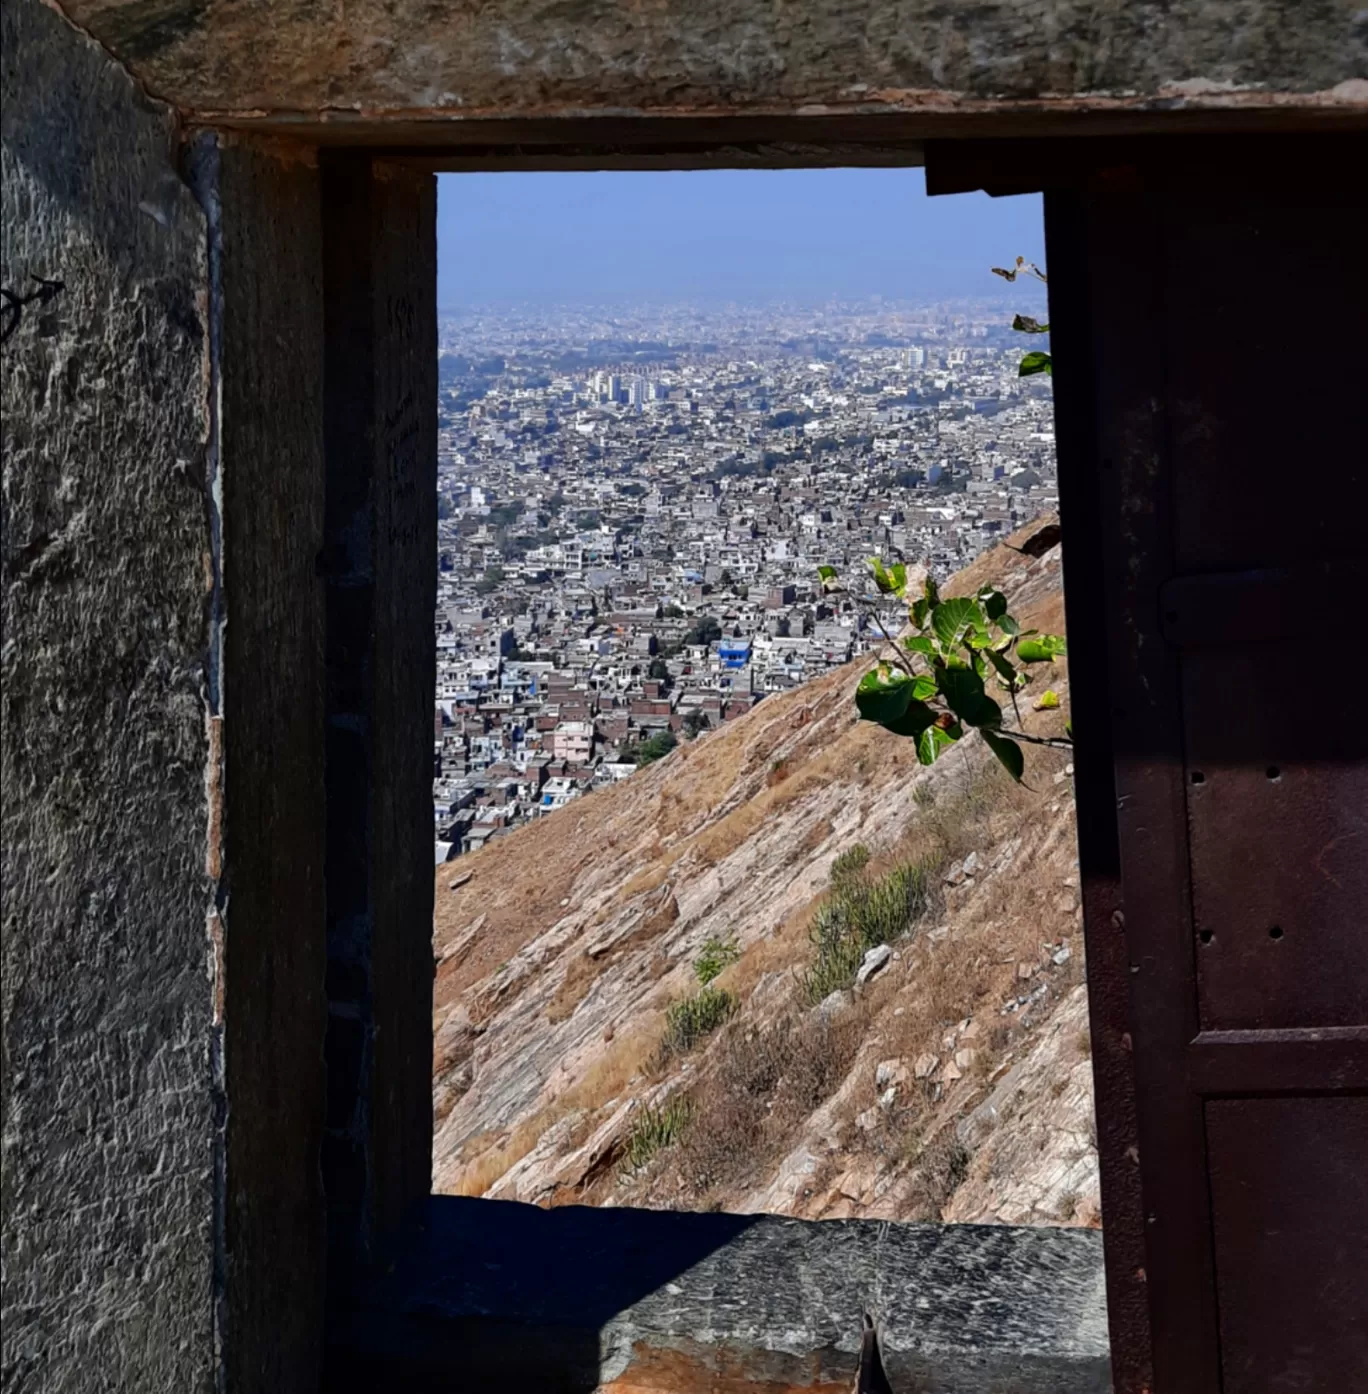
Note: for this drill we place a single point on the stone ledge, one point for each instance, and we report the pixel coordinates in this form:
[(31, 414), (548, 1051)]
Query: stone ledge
[(631, 1301)]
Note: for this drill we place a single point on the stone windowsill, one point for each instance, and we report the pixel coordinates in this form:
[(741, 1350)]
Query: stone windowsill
[(576, 1298)]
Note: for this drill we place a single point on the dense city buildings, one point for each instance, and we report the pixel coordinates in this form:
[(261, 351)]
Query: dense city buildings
[(633, 504)]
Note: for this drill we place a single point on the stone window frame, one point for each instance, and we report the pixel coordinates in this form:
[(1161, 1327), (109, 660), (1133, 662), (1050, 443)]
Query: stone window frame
[(367, 219)]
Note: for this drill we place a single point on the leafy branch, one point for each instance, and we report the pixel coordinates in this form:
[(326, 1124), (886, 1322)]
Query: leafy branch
[(1036, 361), (1021, 268), (932, 682)]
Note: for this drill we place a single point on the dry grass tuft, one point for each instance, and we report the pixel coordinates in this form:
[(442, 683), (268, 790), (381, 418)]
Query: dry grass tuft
[(580, 975), (762, 1083), (942, 1164)]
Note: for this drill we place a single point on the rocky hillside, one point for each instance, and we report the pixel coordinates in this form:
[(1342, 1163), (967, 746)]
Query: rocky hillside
[(631, 1006)]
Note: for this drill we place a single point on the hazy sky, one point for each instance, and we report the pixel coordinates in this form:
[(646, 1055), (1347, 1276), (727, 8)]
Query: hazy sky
[(733, 234)]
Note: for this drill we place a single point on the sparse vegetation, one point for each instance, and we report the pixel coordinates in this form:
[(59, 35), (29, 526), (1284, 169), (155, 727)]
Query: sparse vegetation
[(716, 955), (492, 579), (688, 1021), (695, 722), (942, 1165), (705, 630), (755, 1071), (849, 865), (767, 1080), (653, 1130), (861, 913), (656, 748)]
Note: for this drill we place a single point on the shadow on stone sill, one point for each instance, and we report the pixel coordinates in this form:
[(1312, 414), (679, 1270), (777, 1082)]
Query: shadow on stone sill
[(578, 1299)]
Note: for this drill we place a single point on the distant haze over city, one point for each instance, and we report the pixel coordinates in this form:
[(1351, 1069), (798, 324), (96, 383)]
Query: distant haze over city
[(719, 235), (664, 400)]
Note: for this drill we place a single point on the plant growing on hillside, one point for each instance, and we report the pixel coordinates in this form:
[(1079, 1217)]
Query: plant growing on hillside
[(716, 954), (656, 748), (859, 915), (695, 722), (849, 865), (933, 681), (653, 1130), (688, 1021)]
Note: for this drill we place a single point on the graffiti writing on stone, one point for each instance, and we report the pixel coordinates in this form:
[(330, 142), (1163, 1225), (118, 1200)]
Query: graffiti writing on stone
[(16, 304)]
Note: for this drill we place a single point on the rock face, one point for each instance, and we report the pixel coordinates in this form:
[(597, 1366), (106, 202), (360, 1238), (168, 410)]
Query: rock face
[(1032, 1140), (912, 1097), (875, 961), (107, 1001)]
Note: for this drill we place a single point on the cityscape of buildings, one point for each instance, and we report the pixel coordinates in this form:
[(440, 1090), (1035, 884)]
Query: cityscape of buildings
[(633, 504)]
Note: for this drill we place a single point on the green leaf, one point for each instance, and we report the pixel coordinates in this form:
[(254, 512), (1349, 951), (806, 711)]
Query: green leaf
[(1007, 624), (1005, 669), (1035, 363), (994, 604), (935, 739), (1068, 729), (1024, 324), (1007, 751), (952, 619), (890, 580), (923, 687), (1042, 650), (964, 695), (920, 610), (828, 577), (1047, 701), (916, 719), (883, 694), (931, 591), (918, 643)]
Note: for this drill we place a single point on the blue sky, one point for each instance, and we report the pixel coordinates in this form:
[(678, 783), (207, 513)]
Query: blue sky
[(722, 234)]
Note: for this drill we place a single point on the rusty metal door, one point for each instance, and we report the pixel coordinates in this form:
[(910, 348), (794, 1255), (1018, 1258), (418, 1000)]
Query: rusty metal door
[(1210, 335)]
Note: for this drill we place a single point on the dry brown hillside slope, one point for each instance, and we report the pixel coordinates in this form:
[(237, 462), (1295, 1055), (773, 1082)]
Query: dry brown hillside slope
[(954, 1084)]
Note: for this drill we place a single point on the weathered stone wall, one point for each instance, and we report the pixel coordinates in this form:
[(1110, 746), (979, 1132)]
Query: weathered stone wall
[(107, 992), (938, 58), (164, 946)]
